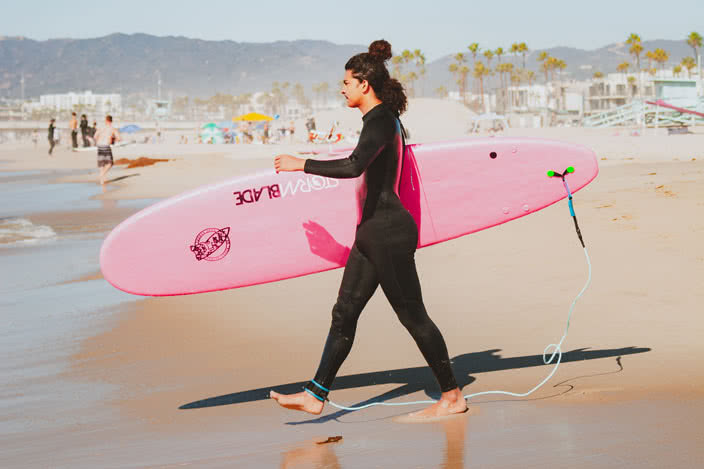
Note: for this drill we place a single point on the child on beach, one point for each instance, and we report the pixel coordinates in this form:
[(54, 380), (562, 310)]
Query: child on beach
[(104, 137)]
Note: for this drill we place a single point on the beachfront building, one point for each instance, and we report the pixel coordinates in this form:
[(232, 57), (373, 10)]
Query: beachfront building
[(87, 101), (615, 90)]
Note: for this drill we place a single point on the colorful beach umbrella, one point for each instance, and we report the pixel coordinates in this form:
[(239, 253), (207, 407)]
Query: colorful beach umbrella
[(252, 117), (129, 129), (212, 134)]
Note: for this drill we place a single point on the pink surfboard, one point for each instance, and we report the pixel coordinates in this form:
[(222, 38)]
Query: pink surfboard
[(267, 227)]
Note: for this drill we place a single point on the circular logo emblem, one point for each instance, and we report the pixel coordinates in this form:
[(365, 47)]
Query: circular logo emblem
[(211, 244)]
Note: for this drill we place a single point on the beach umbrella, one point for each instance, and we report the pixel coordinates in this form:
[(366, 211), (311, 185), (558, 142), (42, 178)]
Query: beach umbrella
[(210, 125), (212, 133), (252, 117), (129, 129)]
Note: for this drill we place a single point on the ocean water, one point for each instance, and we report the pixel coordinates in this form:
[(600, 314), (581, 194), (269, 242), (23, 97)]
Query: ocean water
[(46, 314), (23, 193)]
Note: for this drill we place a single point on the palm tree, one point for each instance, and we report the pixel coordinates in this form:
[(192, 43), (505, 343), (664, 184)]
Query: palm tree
[(623, 67), (514, 49), (480, 71), (397, 62), (631, 82), (635, 50), (543, 57), (689, 63), (488, 54), (461, 70), (530, 76), (650, 55), (523, 49), (419, 58), (499, 52), (474, 49), (598, 75), (695, 42), (441, 91), (676, 70), (661, 56)]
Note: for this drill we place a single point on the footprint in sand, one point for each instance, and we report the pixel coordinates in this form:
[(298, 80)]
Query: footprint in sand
[(663, 190)]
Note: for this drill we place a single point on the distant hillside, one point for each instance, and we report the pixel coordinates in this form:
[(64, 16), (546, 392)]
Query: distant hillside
[(129, 63)]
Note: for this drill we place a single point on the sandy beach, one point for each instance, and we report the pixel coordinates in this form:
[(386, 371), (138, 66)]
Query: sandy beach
[(100, 378)]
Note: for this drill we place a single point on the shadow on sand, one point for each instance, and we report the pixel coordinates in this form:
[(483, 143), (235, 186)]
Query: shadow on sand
[(415, 379)]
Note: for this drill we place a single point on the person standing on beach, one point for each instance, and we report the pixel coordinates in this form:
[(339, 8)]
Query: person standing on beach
[(84, 130), (52, 142), (104, 137), (383, 253), (73, 125)]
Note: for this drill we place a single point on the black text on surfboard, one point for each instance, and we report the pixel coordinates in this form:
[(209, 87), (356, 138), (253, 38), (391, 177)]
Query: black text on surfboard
[(252, 195), (274, 191)]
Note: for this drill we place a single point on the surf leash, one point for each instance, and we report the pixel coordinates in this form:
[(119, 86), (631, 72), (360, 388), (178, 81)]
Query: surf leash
[(554, 350)]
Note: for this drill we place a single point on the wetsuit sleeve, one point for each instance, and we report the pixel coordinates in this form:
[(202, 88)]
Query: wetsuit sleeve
[(375, 136)]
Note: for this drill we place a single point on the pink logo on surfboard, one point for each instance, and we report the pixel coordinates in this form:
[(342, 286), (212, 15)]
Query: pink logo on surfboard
[(214, 247)]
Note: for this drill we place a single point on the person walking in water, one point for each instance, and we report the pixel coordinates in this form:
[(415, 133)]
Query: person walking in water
[(386, 237), (73, 125), (50, 135), (104, 137)]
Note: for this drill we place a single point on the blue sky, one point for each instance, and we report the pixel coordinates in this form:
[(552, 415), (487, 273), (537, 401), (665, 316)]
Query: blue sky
[(436, 27)]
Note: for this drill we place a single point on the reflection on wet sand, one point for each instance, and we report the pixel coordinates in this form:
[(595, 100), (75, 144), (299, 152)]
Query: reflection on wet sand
[(318, 454), (455, 428), (311, 455)]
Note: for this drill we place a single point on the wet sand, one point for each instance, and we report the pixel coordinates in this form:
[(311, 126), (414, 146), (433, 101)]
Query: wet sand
[(160, 382)]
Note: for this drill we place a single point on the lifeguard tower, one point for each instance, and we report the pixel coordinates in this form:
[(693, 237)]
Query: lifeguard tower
[(678, 103)]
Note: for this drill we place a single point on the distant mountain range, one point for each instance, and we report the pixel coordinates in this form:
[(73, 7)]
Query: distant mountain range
[(130, 64)]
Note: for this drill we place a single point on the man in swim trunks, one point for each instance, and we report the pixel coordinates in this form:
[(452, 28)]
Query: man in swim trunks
[(104, 137), (73, 125)]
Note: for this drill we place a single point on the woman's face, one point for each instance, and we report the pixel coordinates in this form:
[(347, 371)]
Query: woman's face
[(353, 90)]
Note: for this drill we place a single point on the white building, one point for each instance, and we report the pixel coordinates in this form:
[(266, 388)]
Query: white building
[(100, 104)]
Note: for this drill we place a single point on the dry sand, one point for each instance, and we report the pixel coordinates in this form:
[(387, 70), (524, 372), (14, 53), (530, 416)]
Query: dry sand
[(629, 393)]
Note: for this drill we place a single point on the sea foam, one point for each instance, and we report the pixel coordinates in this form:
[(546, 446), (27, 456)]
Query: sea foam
[(20, 231)]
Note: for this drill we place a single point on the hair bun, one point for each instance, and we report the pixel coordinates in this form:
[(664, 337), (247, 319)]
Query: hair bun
[(380, 50)]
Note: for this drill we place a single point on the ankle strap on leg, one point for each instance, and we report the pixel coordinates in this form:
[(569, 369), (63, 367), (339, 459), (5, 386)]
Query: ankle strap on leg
[(317, 390)]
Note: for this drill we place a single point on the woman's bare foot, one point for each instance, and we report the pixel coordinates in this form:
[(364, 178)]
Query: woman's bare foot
[(451, 402), (299, 401)]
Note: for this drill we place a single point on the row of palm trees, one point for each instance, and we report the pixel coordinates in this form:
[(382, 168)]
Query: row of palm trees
[(508, 72), (659, 56)]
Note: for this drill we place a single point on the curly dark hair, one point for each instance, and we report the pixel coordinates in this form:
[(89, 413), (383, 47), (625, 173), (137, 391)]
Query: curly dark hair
[(371, 66)]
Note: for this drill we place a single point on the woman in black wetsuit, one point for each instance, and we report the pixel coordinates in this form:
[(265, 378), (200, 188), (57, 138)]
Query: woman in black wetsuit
[(386, 238)]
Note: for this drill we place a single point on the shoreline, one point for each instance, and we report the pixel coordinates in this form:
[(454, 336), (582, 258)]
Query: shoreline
[(499, 296)]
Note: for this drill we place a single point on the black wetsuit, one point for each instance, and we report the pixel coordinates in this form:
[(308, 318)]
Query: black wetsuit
[(50, 136), (382, 254)]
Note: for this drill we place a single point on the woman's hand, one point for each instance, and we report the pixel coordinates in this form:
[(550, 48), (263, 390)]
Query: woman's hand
[(288, 163)]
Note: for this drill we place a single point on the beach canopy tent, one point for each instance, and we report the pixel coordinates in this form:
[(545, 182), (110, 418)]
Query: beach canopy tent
[(490, 118), (211, 134), (129, 129), (252, 117)]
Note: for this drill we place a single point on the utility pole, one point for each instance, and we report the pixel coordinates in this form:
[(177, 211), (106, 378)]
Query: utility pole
[(158, 85), (22, 94)]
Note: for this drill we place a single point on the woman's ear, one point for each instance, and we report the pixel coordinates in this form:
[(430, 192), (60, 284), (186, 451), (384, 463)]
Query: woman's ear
[(365, 86)]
